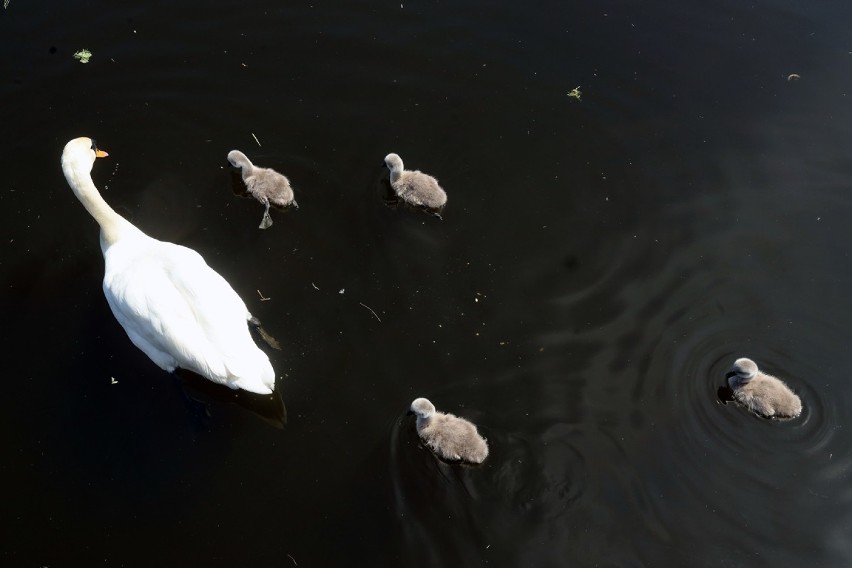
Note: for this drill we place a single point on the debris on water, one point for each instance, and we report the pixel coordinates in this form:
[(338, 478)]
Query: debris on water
[(342, 290), (262, 298), (6, 3), (255, 138), (575, 93), (83, 55), (371, 311), (315, 286), (793, 77), (112, 381)]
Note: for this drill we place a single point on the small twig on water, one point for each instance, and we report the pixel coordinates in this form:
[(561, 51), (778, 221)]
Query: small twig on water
[(255, 138), (262, 299), (371, 311), (293, 559), (315, 286)]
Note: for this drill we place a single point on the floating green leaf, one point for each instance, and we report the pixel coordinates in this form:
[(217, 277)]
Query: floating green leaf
[(83, 55), (575, 93)]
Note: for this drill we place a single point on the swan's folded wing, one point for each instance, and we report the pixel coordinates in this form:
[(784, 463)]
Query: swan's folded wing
[(179, 305)]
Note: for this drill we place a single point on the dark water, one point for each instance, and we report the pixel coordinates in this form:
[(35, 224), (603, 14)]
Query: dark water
[(599, 266)]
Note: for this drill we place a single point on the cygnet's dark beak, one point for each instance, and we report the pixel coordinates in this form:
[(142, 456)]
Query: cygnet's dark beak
[(384, 164), (730, 374), (410, 412)]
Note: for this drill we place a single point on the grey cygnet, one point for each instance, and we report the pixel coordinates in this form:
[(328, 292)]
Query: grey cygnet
[(451, 437), (414, 187), (761, 393), (264, 184)]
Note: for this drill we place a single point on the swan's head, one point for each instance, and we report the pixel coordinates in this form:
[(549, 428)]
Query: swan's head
[(238, 159), (422, 408), (743, 370), (393, 162), (81, 152)]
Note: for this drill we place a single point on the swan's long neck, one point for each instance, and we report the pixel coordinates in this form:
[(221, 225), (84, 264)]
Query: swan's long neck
[(113, 225), (247, 169)]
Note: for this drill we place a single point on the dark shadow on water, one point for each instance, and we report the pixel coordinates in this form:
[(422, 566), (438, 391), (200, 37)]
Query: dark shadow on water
[(269, 408), (368, 491), (725, 395), (387, 194), (237, 185)]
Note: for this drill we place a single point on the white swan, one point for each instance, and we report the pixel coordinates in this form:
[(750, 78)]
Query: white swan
[(175, 308), (265, 184), (414, 187), (761, 393), (449, 436)]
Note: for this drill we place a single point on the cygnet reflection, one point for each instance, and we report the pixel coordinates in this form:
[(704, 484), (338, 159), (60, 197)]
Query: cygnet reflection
[(761, 393), (451, 437), (264, 184), (415, 187)]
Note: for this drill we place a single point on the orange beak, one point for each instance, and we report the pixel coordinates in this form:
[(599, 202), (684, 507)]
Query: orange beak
[(100, 154)]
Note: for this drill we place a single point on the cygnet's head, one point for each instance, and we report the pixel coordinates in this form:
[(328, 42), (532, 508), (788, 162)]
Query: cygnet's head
[(238, 159), (84, 150), (422, 407), (744, 369), (393, 162)]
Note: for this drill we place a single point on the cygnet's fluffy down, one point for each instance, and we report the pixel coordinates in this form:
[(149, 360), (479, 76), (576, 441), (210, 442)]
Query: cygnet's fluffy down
[(414, 187), (451, 437), (264, 184), (761, 393)]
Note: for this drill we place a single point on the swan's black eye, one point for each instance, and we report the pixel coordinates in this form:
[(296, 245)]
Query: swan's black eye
[(94, 146)]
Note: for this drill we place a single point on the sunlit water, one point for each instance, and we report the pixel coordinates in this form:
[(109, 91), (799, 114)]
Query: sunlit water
[(600, 265)]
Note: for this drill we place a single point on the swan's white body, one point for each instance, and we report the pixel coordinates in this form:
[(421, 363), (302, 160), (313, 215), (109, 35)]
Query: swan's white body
[(175, 308)]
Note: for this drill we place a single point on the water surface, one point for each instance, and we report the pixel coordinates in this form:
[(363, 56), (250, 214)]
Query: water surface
[(599, 266)]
